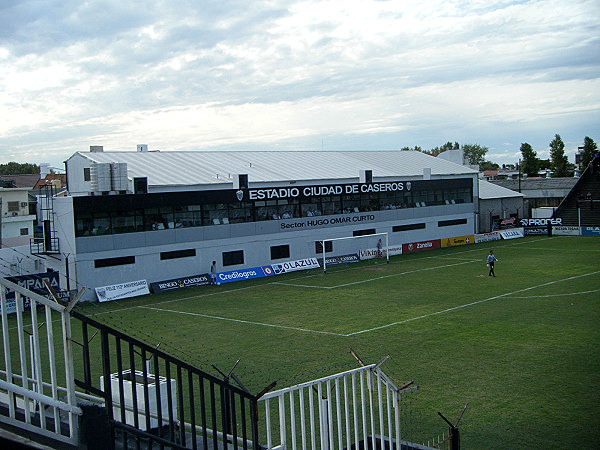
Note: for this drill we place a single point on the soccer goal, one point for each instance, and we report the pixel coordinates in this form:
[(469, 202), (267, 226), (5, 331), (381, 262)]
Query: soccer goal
[(368, 244)]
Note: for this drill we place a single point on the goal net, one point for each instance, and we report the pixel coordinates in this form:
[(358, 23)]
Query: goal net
[(368, 246)]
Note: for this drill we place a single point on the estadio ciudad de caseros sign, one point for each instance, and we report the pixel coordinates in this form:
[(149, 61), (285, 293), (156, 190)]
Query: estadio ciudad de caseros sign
[(320, 191)]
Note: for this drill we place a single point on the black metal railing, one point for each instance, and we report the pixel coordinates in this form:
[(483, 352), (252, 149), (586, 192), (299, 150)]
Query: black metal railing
[(154, 400)]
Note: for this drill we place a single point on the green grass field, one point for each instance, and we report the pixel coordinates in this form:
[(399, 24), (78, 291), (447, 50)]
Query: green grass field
[(522, 348)]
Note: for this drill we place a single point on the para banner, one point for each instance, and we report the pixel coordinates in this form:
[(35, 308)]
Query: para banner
[(35, 282), (122, 290), (459, 240)]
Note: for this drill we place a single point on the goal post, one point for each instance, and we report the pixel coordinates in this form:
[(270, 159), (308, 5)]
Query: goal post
[(384, 247)]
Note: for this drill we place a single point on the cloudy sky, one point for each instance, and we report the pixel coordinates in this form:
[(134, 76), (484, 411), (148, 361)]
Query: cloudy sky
[(296, 75)]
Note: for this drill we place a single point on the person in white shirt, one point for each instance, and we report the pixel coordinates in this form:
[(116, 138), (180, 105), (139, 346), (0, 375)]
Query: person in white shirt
[(491, 259)]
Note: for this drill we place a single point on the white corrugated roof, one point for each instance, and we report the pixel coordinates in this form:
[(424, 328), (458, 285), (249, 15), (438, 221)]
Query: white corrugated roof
[(488, 191), (199, 167)]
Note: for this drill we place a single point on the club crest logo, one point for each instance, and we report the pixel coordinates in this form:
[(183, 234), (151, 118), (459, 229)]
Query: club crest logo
[(408, 185), (240, 195)]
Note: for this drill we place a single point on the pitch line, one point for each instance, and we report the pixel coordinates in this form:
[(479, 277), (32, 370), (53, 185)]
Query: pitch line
[(243, 321), (218, 292), (560, 249), (399, 274), (283, 283), (471, 304), (376, 278), (561, 295)]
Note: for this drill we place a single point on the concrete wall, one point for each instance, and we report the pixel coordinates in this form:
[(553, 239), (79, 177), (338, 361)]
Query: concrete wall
[(255, 239), (502, 207)]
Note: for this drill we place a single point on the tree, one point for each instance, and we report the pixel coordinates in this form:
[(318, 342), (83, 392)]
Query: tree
[(590, 150), (544, 164), (558, 157), (14, 168), (531, 163), (416, 148), (474, 153), (488, 165)]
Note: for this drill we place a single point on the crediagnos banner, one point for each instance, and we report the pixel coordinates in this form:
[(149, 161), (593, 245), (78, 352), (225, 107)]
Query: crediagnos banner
[(244, 274)]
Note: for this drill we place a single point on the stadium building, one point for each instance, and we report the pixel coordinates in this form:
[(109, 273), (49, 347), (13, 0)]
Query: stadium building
[(161, 215)]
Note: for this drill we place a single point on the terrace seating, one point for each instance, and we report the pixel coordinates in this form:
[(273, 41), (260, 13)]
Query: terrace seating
[(581, 206)]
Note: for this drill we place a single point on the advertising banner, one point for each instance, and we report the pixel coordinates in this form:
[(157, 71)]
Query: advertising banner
[(371, 253), (540, 222), (122, 290), (293, 266), (244, 274), (11, 304), (35, 282), (179, 283), (566, 231), (503, 224), (459, 240), (590, 231), (513, 233), (344, 259), (487, 237), (536, 231), (420, 246)]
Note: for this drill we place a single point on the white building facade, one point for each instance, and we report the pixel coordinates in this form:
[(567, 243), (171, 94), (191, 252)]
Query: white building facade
[(16, 222), (162, 215)]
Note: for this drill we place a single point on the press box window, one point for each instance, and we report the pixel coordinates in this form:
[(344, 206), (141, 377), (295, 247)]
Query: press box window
[(411, 226), (363, 232), (280, 251), (178, 254), (449, 223), (109, 262), (86, 174), (319, 247), (233, 258)]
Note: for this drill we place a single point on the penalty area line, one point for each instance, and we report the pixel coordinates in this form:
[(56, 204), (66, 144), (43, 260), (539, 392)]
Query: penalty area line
[(471, 304), (208, 316), (376, 278)]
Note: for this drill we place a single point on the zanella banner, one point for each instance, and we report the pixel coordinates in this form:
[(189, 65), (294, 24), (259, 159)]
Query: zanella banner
[(420, 246), (122, 290), (293, 266)]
